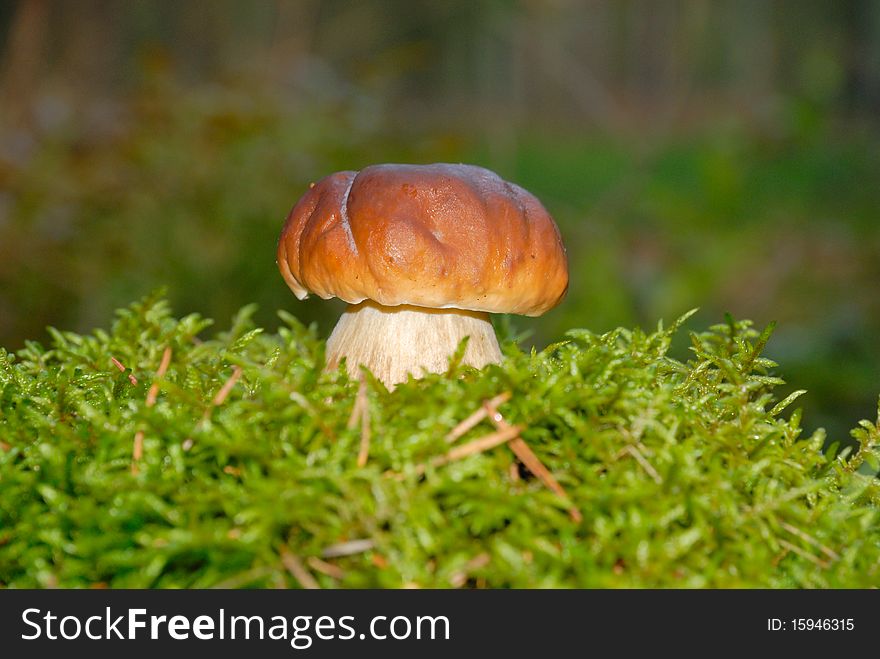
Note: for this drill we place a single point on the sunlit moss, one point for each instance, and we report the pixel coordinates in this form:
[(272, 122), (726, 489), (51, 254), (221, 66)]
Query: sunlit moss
[(686, 474)]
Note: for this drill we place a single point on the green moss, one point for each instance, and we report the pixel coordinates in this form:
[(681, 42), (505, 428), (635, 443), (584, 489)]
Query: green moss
[(686, 474)]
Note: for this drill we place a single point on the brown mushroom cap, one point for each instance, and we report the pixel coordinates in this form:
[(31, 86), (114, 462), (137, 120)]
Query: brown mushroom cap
[(439, 236)]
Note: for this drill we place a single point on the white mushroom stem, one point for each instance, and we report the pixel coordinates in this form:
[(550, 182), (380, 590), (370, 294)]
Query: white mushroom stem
[(393, 342)]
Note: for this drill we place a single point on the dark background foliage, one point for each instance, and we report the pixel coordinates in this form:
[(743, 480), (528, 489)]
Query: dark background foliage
[(721, 155)]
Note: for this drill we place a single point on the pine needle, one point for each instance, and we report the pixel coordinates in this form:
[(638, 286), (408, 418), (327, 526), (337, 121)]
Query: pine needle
[(830, 553), (153, 393), (227, 387), (297, 570), (803, 553), (137, 451), (480, 445), (348, 548), (534, 464), (475, 418), (633, 450), (357, 409), (331, 570), (360, 413), (118, 364), (459, 578), (364, 451)]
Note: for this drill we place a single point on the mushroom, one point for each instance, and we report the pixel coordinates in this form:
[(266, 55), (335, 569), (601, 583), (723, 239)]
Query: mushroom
[(422, 254)]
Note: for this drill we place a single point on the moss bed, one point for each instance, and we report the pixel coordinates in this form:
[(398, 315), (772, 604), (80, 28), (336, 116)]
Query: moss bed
[(675, 473)]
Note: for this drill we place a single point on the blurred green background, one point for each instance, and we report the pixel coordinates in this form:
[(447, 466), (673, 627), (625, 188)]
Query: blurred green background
[(721, 155)]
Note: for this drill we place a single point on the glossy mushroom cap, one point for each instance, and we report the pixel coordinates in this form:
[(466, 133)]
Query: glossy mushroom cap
[(439, 236)]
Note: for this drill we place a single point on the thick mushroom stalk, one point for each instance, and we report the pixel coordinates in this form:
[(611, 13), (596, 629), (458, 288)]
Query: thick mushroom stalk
[(394, 342)]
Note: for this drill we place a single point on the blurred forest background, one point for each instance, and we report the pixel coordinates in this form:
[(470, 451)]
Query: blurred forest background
[(722, 155)]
